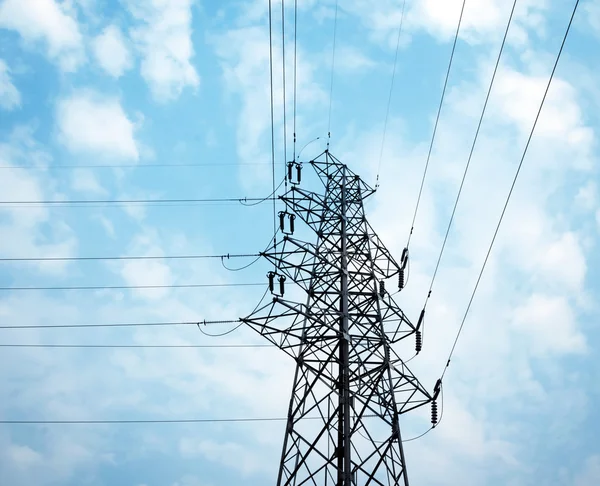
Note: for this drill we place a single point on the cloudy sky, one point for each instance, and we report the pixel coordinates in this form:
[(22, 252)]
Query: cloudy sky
[(170, 99)]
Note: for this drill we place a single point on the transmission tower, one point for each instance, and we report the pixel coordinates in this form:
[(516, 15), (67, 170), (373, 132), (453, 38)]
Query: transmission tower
[(350, 386)]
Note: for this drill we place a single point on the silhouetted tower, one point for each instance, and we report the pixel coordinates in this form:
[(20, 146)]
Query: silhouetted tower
[(350, 387)]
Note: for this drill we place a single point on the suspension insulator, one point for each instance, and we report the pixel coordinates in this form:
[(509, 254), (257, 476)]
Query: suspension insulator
[(401, 279), (299, 172), (402, 272), (434, 413), (271, 277), (282, 220), (290, 167), (381, 288), (404, 258), (290, 217), (419, 341), (281, 284)]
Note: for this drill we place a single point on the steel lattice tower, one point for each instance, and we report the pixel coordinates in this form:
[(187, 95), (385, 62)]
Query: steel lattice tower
[(350, 386)]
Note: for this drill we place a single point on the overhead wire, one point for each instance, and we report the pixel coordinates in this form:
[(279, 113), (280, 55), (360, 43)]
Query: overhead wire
[(438, 422), (242, 267), (155, 421), (135, 201), (284, 89), (475, 138), (464, 318), (126, 166), (387, 111), (204, 322), (437, 119), (149, 421), (268, 198), (123, 287), (132, 257), (332, 73), (272, 117), (258, 257), (237, 326), (135, 346), (295, 69)]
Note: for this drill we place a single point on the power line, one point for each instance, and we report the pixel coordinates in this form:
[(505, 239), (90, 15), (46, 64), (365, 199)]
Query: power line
[(123, 287), (135, 346), (332, 71), (437, 119), (272, 119), (124, 166), (123, 324), (135, 257), (139, 201), (295, 67), (156, 421), (437, 265), (284, 86), (141, 421), (387, 111), (511, 189)]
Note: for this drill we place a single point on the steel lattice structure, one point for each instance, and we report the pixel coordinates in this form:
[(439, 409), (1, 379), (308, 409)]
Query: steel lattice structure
[(350, 386)]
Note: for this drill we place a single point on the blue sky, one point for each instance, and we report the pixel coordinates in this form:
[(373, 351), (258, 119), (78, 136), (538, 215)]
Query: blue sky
[(133, 83)]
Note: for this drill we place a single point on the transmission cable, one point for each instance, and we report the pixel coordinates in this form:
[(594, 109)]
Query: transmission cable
[(124, 324), (149, 421), (155, 421), (387, 111), (125, 166), (284, 88), (438, 422), (123, 287), (138, 201), (437, 119), (295, 67), (133, 257), (511, 189), (332, 72), (272, 117), (136, 346), (237, 326), (464, 176), (268, 198), (244, 267)]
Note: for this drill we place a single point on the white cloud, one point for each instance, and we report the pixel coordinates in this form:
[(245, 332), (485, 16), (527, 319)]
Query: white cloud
[(163, 37), (587, 196), (244, 58), (85, 181), (48, 21), (517, 97), (590, 474), (108, 225), (592, 15), (482, 20), (146, 272), (229, 454), (142, 272), (352, 59), (23, 457), (30, 231), (551, 324), (91, 123), (10, 98), (111, 51), (188, 481)]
